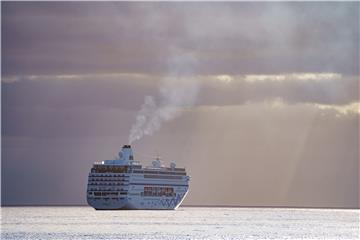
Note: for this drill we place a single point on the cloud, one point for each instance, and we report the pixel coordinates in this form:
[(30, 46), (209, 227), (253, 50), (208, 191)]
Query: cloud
[(292, 88), (82, 77), (309, 76), (243, 38), (293, 77), (49, 106), (342, 109), (352, 108), (224, 78), (224, 89)]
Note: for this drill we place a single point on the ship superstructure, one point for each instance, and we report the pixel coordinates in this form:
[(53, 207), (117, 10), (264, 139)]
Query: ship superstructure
[(124, 183)]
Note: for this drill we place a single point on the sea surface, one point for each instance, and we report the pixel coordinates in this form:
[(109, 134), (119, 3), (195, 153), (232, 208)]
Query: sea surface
[(184, 223)]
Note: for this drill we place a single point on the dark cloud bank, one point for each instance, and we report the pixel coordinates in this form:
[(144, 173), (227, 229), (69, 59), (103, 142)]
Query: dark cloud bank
[(82, 37), (239, 145)]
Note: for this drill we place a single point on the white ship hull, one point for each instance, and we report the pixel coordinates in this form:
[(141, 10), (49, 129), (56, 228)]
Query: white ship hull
[(138, 203)]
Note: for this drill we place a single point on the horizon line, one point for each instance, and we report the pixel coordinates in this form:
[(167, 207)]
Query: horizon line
[(186, 205)]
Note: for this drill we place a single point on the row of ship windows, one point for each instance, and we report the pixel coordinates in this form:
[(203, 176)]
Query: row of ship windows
[(158, 191), (116, 168), (108, 171), (94, 179), (107, 184), (108, 175), (105, 189), (162, 177), (111, 166), (147, 194), (107, 193), (107, 198), (159, 172), (176, 169), (106, 179)]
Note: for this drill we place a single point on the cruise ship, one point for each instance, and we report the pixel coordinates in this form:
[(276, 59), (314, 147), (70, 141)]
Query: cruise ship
[(124, 183)]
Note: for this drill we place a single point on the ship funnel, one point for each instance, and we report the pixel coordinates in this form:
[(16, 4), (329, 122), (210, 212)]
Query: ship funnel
[(126, 153)]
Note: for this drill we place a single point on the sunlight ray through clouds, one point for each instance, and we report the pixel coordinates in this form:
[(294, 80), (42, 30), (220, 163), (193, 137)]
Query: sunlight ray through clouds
[(343, 109), (225, 78), (293, 76)]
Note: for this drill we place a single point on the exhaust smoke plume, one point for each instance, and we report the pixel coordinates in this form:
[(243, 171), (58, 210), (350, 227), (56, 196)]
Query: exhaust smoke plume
[(179, 89)]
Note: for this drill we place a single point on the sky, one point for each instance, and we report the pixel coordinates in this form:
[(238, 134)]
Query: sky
[(259, 101)]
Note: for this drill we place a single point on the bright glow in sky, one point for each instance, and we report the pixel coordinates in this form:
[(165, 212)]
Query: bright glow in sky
[(263, 97)]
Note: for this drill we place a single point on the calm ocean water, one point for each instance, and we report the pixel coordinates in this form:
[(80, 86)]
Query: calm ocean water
[(184, 223)]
